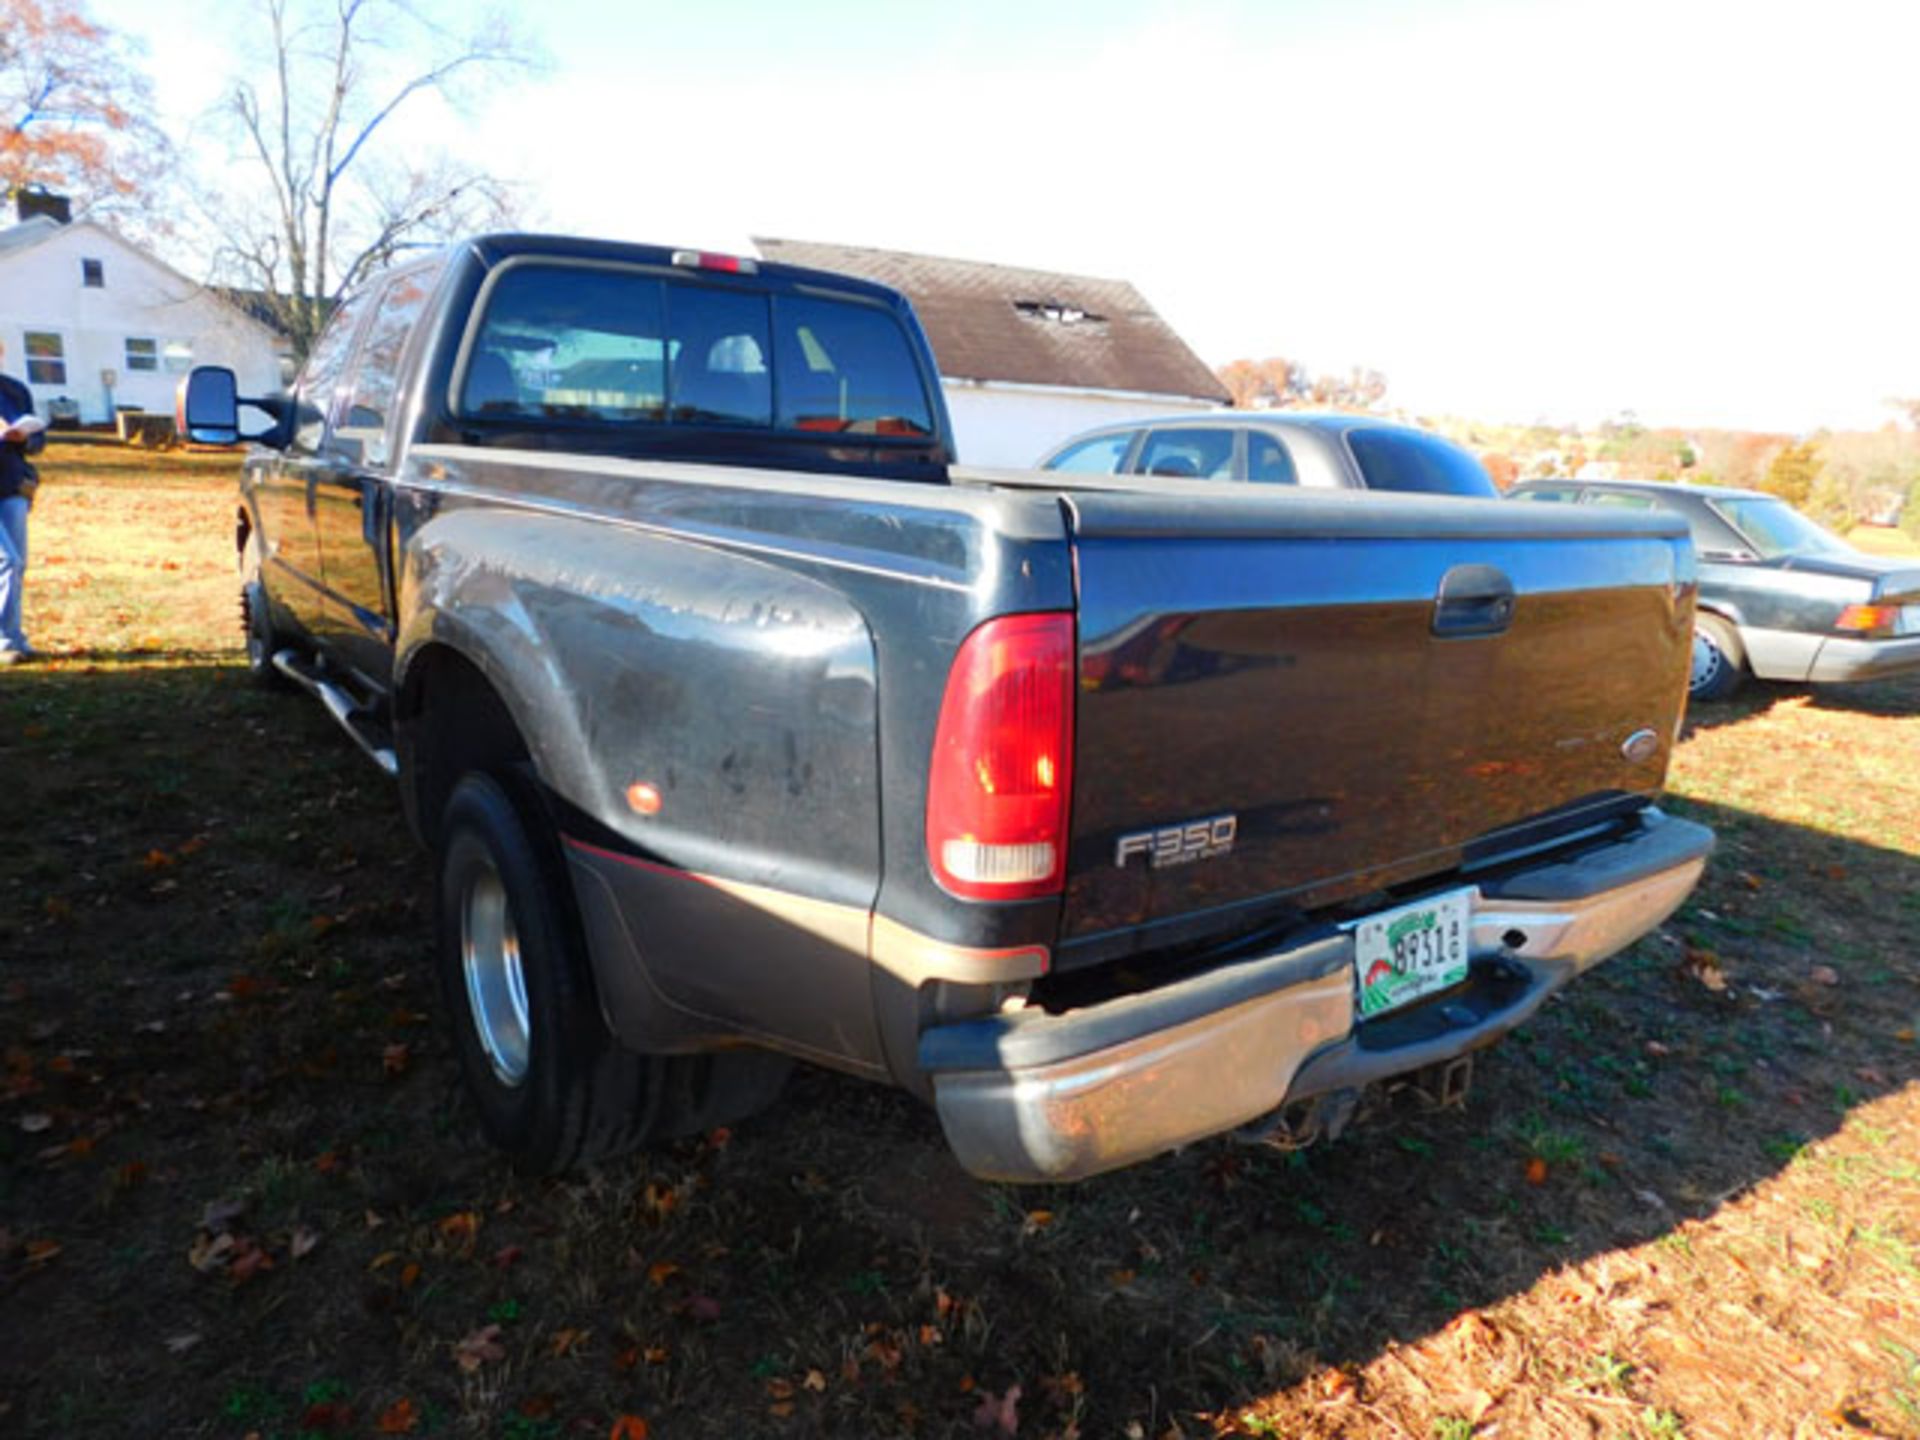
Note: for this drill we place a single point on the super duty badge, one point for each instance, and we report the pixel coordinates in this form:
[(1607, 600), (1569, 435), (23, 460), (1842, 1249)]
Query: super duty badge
[(1179, 844)]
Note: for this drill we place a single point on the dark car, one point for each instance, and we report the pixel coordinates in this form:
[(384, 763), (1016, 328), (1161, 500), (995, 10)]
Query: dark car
[(1343, 452), (1780, 597)]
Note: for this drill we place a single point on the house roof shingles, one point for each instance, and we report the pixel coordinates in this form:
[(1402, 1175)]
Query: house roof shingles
[(1033, 327)]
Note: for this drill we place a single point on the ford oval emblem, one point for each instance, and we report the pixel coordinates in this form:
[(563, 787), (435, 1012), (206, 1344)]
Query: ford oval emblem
[(1640, 746)]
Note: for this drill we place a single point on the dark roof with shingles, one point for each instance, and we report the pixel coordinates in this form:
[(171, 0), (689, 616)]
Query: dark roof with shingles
[(1032, 327)]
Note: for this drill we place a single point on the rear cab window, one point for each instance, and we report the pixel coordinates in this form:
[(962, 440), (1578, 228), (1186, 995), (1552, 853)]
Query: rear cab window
[(585, 344), (1407, 460)]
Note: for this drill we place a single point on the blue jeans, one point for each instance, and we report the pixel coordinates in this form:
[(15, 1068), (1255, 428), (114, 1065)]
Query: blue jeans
[(13, 570)]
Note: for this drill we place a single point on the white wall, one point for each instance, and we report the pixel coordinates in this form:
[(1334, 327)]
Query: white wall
[(41, 290), (1015, 425)]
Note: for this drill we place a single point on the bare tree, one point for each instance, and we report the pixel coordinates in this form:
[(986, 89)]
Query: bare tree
[(340, 204), (75, 111)]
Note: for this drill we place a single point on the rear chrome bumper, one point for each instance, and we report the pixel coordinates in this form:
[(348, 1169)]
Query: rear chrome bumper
[(1843, 660), (1035, 1097)]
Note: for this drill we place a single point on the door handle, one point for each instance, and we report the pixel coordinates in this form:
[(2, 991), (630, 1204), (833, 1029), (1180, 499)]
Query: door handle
[(1473, 600)]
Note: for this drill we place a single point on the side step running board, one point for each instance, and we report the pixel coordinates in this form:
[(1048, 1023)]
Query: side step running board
[(341, 706)]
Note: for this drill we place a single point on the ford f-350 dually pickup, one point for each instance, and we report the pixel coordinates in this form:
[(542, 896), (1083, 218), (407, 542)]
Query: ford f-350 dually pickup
[(745, 725)]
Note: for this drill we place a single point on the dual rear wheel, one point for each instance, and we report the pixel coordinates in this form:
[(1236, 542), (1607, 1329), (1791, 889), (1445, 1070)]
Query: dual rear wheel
[(553, 1086)]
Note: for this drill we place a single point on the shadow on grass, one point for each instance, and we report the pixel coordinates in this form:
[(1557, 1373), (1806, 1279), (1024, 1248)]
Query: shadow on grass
[(216, 927), (1898, 697), (56, 662)]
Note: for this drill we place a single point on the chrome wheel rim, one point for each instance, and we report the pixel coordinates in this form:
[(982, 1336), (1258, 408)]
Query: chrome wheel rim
[(256, 639), (1707, 661), (496, 981)]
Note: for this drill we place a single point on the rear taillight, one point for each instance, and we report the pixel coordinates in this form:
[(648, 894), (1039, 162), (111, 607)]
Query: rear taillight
[(1003, 761), (1869, 619)]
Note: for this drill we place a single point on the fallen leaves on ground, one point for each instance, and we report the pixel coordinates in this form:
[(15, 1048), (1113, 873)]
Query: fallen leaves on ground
[(399, 1418), (1704, 966), (999, 1413), (480, 1347)]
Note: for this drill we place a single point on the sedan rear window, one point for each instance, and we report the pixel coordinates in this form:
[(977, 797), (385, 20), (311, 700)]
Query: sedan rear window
[(1424, 464), (1775, 528), (1099, 456)]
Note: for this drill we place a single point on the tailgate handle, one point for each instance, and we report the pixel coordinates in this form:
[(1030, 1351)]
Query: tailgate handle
[(1473, 600)]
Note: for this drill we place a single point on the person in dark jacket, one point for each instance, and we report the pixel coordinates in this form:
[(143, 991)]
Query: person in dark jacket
[(17, 483)]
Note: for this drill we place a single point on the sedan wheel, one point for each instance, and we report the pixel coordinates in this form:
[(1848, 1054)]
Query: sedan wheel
[(1719, 665)]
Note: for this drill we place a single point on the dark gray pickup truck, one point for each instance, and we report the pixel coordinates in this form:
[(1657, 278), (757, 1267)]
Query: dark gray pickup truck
[(746, 726)]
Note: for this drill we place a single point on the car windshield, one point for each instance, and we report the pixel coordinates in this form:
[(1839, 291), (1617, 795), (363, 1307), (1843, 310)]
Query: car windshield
[(1775, 528)]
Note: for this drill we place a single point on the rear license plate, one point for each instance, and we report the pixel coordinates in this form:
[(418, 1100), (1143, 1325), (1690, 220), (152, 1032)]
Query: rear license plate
[(1401, 954)]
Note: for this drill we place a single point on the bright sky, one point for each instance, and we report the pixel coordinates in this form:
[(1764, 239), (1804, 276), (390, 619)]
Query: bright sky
[(1701, 212)]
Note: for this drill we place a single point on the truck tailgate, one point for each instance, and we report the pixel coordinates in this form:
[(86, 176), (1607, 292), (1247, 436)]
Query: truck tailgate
[(1322, 695)]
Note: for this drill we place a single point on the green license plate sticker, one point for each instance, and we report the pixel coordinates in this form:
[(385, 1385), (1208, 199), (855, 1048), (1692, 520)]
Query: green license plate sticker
[(1414, 950)]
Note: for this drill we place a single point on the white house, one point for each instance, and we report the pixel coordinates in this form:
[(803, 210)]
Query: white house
[(95, 321), (1029, 357)]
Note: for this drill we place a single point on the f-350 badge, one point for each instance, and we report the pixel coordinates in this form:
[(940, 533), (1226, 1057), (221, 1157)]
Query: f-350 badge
[(1179, 844)]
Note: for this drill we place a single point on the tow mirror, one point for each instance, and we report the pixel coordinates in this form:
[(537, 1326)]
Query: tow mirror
[(207, 407)]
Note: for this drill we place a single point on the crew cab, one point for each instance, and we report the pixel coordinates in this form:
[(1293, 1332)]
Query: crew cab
[(746, 726)]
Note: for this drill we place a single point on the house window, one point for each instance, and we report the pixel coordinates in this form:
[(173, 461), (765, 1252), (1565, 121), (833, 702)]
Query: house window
[(93, 274), (46, 358), (179, 356), (142, 354)]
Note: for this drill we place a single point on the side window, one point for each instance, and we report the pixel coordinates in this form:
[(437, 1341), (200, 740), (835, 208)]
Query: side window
[(1268, 462), (564, 343), (1563, 494), (717, 347), (1197, 454), (1620, 500), (370, 403), (320, 379), (1099, 456), (847, 368)]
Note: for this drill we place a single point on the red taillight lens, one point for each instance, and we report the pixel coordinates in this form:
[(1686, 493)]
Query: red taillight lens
[(709, 260), (1003, 761), (1869, 619)]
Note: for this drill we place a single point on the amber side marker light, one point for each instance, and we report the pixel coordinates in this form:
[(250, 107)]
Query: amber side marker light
[(643, 798)]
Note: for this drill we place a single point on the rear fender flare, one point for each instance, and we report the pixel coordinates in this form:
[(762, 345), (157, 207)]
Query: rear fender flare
[(744, 691)]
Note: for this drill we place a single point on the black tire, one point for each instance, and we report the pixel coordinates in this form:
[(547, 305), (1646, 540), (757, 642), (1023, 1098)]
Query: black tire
[(256, 620), (574, 1093), (568, 1092), (1719, 661)]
